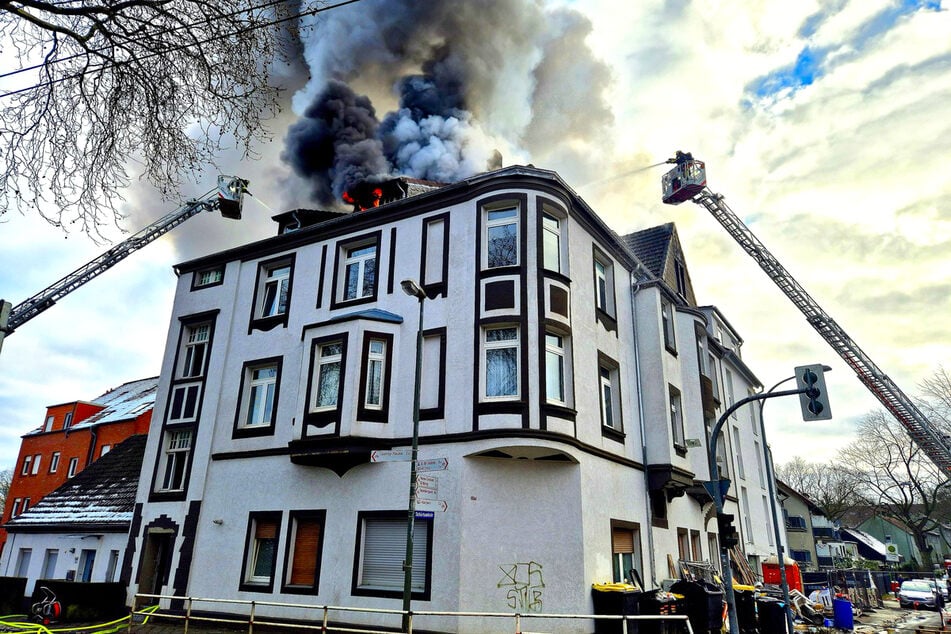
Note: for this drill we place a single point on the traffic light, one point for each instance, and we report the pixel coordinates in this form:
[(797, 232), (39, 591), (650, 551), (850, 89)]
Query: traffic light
[(814, 398), (728, 535), (231, 191)]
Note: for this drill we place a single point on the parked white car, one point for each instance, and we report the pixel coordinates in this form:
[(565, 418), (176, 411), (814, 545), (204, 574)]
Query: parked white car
[(917, 593)]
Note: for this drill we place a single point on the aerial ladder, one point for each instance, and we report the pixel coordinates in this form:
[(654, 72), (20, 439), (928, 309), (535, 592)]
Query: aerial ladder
[(688, 181), (227, 199)]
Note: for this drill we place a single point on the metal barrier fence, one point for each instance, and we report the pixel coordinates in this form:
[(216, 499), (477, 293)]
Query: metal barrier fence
[(308, 620)]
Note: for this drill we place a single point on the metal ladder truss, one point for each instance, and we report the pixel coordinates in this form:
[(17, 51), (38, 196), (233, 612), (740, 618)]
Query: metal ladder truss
[(924, 433)]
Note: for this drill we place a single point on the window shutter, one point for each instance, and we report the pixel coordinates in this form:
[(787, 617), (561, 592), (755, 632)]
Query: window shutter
[(622, 541), (304, 564), (384, 547), (265, 529)]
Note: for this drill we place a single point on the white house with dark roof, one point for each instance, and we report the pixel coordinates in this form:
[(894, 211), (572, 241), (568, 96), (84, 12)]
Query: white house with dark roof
[(565, 388), (80, 531)]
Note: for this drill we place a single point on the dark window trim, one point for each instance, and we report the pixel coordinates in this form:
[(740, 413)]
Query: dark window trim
[(173, 496), (320, 275), (614, 433), (239, 431), (365, 413), (391, 264), (328, 417), (253, 516), (195, 286), (355, 590), (605, 318), (316, 514), (374, 238), (520, 201), (555, 209), (438, 287), (435, 413), (669, 345), (269, 323)]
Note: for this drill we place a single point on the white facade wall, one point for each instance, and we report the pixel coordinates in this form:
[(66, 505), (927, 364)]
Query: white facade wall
[(531, 490), (71, 553)]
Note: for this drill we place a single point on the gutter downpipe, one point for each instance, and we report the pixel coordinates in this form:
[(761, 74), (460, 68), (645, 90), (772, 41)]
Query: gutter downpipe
[(635, 287)]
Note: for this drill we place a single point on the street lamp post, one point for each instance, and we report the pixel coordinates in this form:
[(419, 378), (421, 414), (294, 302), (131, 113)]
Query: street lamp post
[(410, 287)]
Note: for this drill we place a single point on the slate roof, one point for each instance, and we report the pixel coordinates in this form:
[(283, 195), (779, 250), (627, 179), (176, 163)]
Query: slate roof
[(125, 402), (100, 497), (650, 246)]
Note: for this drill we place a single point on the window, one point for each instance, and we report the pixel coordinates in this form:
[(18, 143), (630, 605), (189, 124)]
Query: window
[(68, 420), (261, 551), (87, 559), (667, 317), (375, 377), (501, 237), (104, 450), (177, 450), (769, 525), (49, 563), (555, 368), (48, 425), (303, 552), (27, 463), (381, 549), (501, 347), (259, 392), (112, 566), (747, 520), (209, 277), (729, 391), (803, 556), (683, 544), (195, 350), (796, 523), (277, 289), (551, 242), (16, 508), (625, 551), (54, 462), (184, 405), (36, 463), (23, 562), (610, 395), (738, 452), (695, 545), (601, 288), (329, 362), (359, 272), (73, 464), (759, 463), (26, 505), (676, 416), (680, 273)]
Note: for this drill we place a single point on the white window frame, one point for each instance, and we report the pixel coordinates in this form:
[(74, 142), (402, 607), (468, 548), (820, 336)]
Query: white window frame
[(54, 462), (73, 465), (552, 235), (48, 426), (489, 348), (50, 559), (738, 452), (667, 319), (382, 550), (209, 277), (23, 562), (27, 465), (178, 446), (104, 450), (499, 217), (556, 368), (275, 289), (37, 459), (609, 396), (68, 420), (260, 396), (195, 345), (113, 566), (16, 508), (376, 358), (747, 520), (355, 260), (320, 361), (255, 544), (678, 434), (183, 405)]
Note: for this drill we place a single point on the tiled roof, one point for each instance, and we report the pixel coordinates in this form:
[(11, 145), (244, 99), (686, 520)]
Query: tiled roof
[(650, 246), (125, 402), (101, 495)]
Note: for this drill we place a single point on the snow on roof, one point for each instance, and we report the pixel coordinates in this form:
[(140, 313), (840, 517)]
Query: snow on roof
[(102, 494), (867, 540), (125, 402)]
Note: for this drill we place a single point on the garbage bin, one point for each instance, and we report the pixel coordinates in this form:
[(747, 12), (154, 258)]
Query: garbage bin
[(703, 602), (660, 603), (745, 609), (771, 614), (842, 614), (615, 599)]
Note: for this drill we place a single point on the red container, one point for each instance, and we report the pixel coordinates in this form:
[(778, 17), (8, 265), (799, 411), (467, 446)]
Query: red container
[(772, 576)]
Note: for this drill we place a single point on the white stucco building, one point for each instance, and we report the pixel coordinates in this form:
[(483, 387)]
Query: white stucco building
[(567, 377)]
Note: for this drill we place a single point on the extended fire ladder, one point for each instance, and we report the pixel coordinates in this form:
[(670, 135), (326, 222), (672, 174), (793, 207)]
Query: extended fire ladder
[(687, 181), (227, 199)]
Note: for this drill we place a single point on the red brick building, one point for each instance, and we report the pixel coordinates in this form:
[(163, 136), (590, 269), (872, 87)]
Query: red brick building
[(72, 436)]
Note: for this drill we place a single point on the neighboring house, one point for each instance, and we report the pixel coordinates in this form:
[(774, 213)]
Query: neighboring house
[(836, 553), (79, 531), (568, 378), (798, 511), (868, 546), (71, 437)]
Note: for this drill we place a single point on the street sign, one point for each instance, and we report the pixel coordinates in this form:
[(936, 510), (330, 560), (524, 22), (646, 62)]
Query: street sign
[(426, 492), (436, 505), (428, 481), (424, 515), (432, 464), (391, 455)]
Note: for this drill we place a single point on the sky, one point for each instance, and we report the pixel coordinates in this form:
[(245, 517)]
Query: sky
[(823, 124)]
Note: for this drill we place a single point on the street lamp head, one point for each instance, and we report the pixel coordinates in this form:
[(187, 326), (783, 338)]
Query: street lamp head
[(410, 287)]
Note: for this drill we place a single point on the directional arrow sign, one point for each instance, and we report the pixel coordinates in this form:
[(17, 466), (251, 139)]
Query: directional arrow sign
[(426, 492), (433, 505), (432, 464), (428, 481), (391, 455)]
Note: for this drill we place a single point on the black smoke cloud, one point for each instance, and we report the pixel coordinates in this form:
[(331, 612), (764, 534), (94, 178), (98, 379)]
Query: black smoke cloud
[(467, 78)]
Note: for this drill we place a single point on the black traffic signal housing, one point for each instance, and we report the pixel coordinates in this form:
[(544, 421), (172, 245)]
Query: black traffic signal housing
[(814, 398), (728, 535)]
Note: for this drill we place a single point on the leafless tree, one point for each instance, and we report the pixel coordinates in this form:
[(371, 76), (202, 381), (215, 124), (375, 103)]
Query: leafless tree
[(6, 475), (895, 477), (164, 84), (829, 485)]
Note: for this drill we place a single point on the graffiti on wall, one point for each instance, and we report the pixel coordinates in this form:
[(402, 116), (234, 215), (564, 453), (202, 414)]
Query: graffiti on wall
[(523, 584)]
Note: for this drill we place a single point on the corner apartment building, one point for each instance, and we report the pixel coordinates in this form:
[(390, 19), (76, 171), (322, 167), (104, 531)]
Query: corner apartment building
[(72, 436), (567, 379)]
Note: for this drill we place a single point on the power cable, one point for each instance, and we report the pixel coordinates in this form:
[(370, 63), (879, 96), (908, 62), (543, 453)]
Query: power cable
[(182, 47)]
